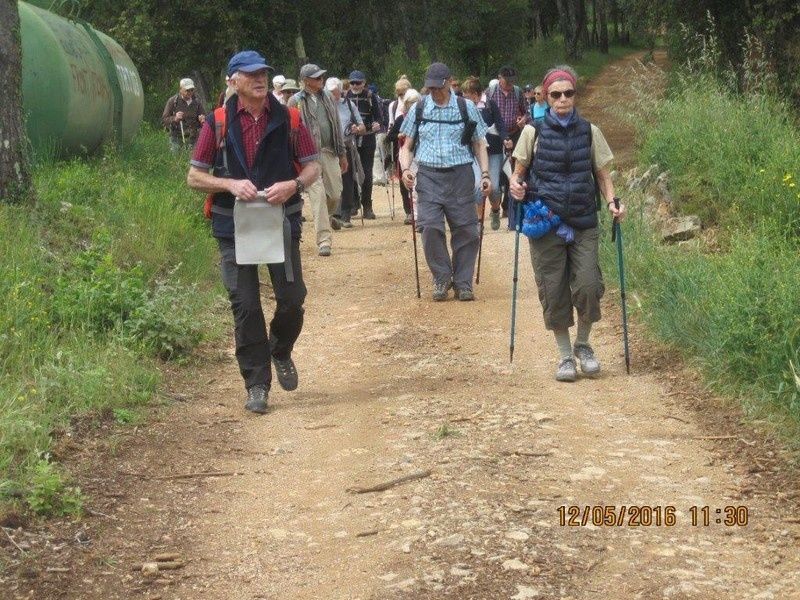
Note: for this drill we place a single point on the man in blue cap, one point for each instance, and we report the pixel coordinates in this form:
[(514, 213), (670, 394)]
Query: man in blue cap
[(257, 155), (446, 134), (369, 106)]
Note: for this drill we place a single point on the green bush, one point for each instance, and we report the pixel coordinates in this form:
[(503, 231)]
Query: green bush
[(112, 270), (48, 493), (733, 312)]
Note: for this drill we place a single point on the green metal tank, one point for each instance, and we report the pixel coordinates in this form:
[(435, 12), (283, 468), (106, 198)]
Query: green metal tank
[(79, 87)]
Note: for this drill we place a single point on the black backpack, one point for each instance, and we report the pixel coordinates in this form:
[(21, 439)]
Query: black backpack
[(469, 125)]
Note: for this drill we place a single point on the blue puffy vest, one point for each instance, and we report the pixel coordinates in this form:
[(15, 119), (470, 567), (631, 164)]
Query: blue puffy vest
[(273, 162), (561, 173)]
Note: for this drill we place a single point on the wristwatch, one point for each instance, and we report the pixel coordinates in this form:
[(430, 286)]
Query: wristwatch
[(300, 186)]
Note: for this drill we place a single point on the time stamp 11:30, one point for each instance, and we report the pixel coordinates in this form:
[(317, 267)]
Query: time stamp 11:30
[(650, 516)]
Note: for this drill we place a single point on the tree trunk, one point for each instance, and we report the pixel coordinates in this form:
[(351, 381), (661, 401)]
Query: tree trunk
[(602, 14), (583, 28), (570, 26), (15, 179), (615, 20), (538, 31), (595, 35)]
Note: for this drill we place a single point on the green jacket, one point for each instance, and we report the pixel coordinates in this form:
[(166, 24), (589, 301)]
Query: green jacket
[(309, 117)]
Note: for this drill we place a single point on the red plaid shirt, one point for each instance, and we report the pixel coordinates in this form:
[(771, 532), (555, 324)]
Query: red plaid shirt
[(205, 149), (509, 107)]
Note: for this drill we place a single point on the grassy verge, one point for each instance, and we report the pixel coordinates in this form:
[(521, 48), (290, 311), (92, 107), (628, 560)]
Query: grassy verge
[(109, 275), (735, 312)]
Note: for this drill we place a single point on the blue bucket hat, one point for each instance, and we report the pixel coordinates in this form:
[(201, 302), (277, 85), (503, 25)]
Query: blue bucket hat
[(247, 61), (357, 76)]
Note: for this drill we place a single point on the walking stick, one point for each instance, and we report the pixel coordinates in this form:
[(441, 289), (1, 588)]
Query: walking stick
[(518, 227), (616, 234), (183, 135), (480, 243), (392, 172), (414, 234)]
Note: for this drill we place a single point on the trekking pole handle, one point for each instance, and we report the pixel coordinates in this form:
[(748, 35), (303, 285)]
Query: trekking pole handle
[(614, 222)]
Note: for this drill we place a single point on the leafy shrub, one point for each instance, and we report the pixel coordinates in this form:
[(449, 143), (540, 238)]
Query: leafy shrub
[(167, 325), (96, 293), (48, 493)]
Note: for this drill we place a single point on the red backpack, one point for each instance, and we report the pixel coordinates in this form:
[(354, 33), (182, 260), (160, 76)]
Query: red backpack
[(220, 130)]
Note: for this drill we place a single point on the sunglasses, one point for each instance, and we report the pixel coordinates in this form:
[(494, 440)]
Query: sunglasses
[(567, 94), (356, 83)]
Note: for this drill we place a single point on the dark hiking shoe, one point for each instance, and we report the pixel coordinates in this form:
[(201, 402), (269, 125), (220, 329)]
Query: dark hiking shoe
[(353, 212), (440, 289), (419, 228), (465, 295), (369, 214), (336, 224), (409, 220), (567, 370), (257, 399), (589, 363), (286, 372), (324, 250), (495, 216)]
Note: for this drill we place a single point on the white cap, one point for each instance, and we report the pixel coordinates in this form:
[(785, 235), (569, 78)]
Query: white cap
[(187, 84), (333, 83), (278, 81), (494, 82)]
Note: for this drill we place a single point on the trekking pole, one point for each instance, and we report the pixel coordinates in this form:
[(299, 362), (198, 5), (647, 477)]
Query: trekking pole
[(414, 234), (183, 135), (391, 174), (480, 243), (518, 227), (616, 234)]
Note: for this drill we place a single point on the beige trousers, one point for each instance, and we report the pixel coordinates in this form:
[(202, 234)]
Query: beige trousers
[(324, 195)]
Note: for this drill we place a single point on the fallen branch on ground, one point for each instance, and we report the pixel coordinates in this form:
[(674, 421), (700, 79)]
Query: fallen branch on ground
[(203, 474), (390, 484)]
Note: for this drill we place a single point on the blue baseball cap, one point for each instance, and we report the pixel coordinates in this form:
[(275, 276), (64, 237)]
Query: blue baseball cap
[(357, 76), (247, 61)]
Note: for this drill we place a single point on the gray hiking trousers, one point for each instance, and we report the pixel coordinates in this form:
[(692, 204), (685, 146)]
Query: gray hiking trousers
[(448, 194)]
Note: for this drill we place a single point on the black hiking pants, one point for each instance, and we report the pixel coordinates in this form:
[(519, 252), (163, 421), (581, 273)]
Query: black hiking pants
[(250, 331), (366, 151)]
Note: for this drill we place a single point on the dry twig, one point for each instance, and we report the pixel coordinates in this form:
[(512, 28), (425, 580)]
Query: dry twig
[(390, 484)]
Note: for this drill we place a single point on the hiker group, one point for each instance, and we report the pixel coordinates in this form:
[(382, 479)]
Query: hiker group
[(453, 146)]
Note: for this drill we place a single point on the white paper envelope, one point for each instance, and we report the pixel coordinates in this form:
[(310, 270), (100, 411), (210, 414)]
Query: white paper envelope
[(258, 232)]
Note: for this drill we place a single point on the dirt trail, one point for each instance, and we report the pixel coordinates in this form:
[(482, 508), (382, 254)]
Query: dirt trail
[(391, 385)]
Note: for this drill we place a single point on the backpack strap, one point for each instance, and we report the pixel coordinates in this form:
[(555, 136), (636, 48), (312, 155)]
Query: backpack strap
[(294, 134), (220, 132), (419, 110), (462, 108)]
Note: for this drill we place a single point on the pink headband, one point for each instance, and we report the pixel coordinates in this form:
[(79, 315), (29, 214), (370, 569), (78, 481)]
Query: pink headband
[(555, 76)]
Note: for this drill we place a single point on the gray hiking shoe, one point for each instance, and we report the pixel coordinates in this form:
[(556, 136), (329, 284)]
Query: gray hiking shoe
[(347, 225), (567, 370), (465, 295), (257, 399), (589, 363), (440, 289), (495, 215)]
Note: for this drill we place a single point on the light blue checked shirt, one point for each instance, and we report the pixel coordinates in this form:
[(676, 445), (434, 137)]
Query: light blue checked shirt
[(439, 144)]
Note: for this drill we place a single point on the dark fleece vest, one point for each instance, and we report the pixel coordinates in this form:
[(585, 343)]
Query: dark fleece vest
[(561, 174), (273, 162)]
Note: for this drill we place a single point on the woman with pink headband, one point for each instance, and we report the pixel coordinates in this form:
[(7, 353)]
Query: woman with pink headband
[(561, 162)]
